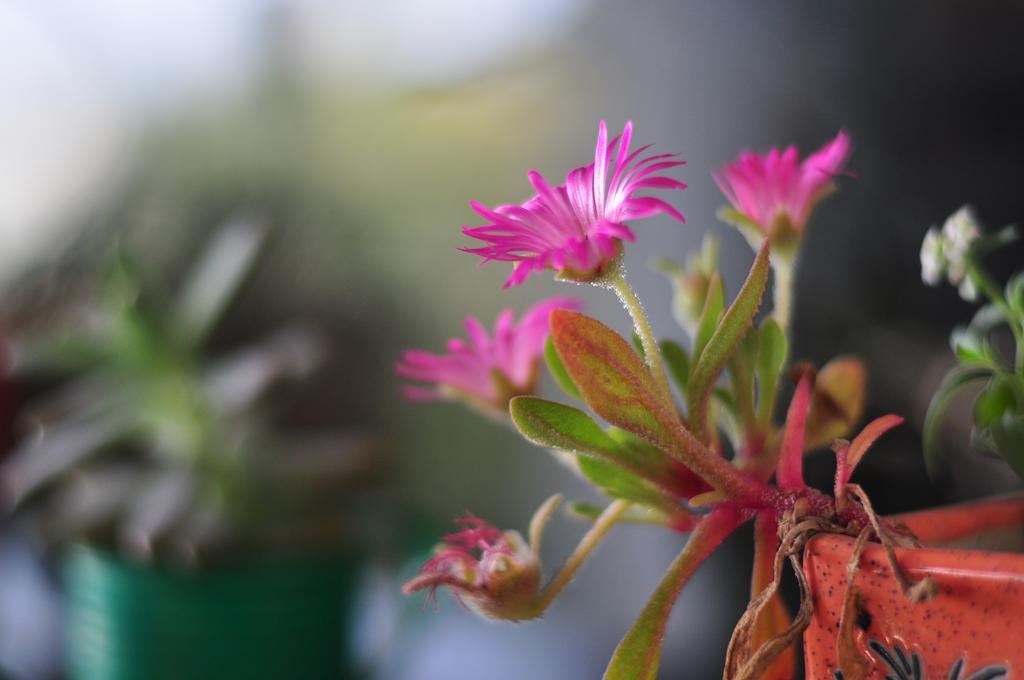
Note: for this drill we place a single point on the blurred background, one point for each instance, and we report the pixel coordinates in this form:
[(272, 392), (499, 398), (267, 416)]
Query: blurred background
[(358, 130)]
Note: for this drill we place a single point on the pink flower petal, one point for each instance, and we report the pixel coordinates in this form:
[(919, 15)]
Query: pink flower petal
[(513, 350), (761, 187), (565, 227)]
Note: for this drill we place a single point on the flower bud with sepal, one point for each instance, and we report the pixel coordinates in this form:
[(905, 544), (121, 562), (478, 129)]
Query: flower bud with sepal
[(494, 573)]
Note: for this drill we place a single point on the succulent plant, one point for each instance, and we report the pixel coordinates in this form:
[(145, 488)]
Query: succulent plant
[(149, 446)]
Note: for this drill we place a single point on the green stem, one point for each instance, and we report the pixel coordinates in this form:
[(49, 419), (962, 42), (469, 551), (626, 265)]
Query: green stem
[(652, 353), (995, 295), (639, 653), (782, 290), (587, 544)]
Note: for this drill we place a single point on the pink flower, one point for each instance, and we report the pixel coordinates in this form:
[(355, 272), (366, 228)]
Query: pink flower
[(577, 228), (776, 190), (488, 369), (494, 573)]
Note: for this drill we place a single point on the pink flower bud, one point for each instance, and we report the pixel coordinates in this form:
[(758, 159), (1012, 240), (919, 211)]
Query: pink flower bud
[(494, 573), (774, 193)]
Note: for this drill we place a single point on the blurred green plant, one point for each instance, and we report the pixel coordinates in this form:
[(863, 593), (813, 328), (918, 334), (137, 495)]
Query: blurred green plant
[(148, 446), (955, 253)]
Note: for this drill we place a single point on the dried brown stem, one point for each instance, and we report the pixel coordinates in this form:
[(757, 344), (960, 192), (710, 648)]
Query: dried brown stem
[(849, 659), (741, 661), (796, 528), (913, 591)]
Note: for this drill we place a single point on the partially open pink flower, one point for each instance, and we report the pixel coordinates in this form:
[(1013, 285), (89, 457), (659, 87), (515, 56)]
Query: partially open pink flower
[(495, 573), (776, 192), (487, 369), (577, 228)]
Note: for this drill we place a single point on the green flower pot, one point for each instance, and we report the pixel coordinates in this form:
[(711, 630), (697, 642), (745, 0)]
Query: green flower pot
[(274, 619)]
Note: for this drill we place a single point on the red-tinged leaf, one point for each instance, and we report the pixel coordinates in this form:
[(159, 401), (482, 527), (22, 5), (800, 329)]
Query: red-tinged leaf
[(616, 384), (872, 431), (611, 377), (722, 344), (639, 654), (790, 471), (775, 618), (841, 447), (838, 403)]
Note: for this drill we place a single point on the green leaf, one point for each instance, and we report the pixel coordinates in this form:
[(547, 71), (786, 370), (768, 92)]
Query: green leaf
[(726, 400), (217, 277), (612, 378), (550, 424), (986, 318), (678, 362), (750, 229), (706, 261), (40, 462), (639, 653), (122, 282), (726, 338), (1008, 436), (644, 455), (690, 282), (714, 306), (982, 442), (669, 268), (635, 514), (728, 418), (741, 377), (996, 399), (968, 345), (558, 371), (995, 240), (553, 425), (957, 379), (619, 482), (679, 481), (638, 344), (66, 350), (1015, 294), (770, 360)]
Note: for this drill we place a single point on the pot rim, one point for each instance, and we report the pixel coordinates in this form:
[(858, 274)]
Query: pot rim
[(938, 525)]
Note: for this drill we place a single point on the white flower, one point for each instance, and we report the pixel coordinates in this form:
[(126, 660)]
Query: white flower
[(958, 234), (968, 291), (945, 252), (933, 264)]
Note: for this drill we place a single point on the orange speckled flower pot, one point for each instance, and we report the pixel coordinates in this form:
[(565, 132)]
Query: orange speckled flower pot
[(973, 629)]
